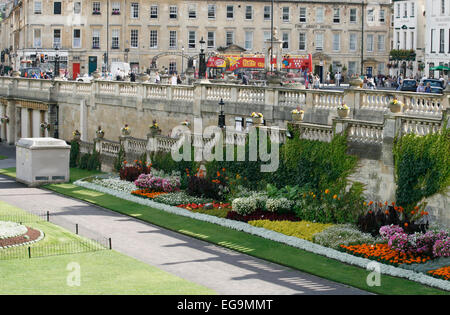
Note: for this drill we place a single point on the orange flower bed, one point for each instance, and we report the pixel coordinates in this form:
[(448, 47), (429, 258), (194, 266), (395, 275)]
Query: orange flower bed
[(383, 253), (441, 273), (146, 193)]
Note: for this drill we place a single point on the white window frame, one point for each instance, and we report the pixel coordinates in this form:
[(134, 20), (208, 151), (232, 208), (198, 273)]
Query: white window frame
[(192, 40), (247, 7), (248, 43), (154, 11), (381, 42), (227, 42), (153, 43), (370, 43), (336, 15), (286, 41), (209, 39), (212, 9), (267, 8), (134, 10), (37, 7), (173, 12), (134, 38), (286, 14), (320, 17), (57, 43), (228, 12), (303, 15), (355, 15), (336, 45), (352, 45), (192, 9), (76, 41), (75, 7), (95, 39), (319, 41), (173, 39), (302, 41), (115, 37), (37, 41)]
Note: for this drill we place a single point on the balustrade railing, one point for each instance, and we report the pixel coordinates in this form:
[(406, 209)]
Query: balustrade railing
[(420, 126), (365, 132)]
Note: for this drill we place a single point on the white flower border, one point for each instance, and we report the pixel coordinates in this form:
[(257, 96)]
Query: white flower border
[(41, 236), (277, 237)]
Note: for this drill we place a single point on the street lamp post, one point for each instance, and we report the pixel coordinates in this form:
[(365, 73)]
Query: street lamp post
[(221, 115), (182, 60), (56, 63), (202, 61)]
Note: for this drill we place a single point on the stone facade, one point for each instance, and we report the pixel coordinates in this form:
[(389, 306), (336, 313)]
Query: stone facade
[(139, 30)]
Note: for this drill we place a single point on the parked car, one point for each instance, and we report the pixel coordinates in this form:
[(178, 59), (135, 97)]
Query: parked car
[(409, 85), (85, 78), (437, 86)]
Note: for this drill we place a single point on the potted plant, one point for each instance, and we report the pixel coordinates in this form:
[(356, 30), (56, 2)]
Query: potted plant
[(343, 111), (76, 135), (257, 118), (100, 133), (125, 130), (297, 114), (154, 128), (395, 106)]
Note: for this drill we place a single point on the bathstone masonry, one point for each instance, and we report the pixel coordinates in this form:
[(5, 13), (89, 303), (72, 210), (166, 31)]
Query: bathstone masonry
[(64, 106)]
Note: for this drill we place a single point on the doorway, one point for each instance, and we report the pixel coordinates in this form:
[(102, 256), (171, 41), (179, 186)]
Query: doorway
[(92, 64), (319, 71), (75, 70)]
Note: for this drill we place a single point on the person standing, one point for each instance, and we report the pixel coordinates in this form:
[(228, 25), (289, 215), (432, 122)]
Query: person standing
[(428, 88), (420, 88), (174, 79), (328, 78), (179, 79), (338, 78), (157, 78)]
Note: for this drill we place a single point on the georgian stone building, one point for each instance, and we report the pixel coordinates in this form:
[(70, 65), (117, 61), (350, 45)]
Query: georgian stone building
[(135, 31)]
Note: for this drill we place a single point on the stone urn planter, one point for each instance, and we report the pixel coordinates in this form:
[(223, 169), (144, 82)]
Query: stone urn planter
[(76, 136), (144, 78), (96, 75), (155, 131), (298, 116), (395, 107), (100, 134), (343, 113), (356, 83), (257, 121)]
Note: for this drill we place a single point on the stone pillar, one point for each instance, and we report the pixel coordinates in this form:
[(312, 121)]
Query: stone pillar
[(36, 125), (3, 124), (83, 121), (47, 119), (24, 122), (198, 97), (11, 125), (390, 131)]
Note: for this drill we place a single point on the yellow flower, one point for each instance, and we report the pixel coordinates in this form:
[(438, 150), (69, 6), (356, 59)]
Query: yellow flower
[(327, 191), (335, 196)]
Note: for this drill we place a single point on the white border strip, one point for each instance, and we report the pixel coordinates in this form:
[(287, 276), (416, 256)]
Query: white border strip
[(278, 237)]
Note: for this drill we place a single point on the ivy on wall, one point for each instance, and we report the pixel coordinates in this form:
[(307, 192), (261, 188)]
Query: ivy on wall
[(422, 166)]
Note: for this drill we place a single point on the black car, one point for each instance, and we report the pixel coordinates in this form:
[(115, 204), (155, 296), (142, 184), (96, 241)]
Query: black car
[(437, 86), (409, 85)]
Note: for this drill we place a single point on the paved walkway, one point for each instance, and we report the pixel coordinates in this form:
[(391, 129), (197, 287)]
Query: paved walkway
[(223, 270)]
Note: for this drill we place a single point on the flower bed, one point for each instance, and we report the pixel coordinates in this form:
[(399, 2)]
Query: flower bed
[(441, 273), (145, 193), (341, 255), (385, 254), (11, 229), (304, 229), (261, 215)]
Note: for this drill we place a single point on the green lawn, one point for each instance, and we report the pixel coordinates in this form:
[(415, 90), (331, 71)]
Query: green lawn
[(250, 244), (2, 157), (101, 272)]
